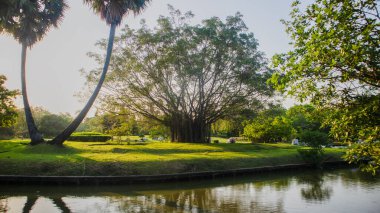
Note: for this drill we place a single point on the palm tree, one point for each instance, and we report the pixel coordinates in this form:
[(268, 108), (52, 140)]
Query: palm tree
[(28, 21), (112, 11)]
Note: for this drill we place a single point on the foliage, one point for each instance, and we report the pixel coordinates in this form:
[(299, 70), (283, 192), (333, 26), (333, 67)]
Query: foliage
[(367, 155), (89, 137), (6, 133), (186, 77), (335, 65), (336, 52), (315, 139), (92, 124), (8, 112), (233, 124), (113, 11), (306, 117), (270, 125), (222, 128), (359, 121), (277, 124), (29, 21), (118, 124), (20, 127), (159, 131), (52, 124)]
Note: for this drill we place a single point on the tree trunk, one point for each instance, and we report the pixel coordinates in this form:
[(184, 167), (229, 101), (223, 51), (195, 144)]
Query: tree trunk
[(185, 130), (34, 134), (65, 134)]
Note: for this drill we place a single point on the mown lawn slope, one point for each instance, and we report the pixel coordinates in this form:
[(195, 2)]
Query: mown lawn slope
[(145, 158)]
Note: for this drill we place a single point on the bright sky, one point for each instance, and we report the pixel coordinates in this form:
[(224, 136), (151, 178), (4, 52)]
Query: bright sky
[(53, 64)]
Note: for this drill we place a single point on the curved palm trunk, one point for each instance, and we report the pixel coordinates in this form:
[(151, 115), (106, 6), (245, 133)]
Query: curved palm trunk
[(34, 134), (75, 123)]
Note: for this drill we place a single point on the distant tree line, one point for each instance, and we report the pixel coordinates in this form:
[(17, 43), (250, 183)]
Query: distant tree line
[(277, 124)]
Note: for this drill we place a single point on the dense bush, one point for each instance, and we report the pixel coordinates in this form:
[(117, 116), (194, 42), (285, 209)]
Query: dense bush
[(51, 125), (6, 133), (314, 139), (268, 130), (89, 137)]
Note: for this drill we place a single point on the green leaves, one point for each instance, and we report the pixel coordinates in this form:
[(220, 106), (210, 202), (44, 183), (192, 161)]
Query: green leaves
[(269, 126), (29, 21), (8, 113), (113, 11), (335, 64), (332, 38), (183, 74)]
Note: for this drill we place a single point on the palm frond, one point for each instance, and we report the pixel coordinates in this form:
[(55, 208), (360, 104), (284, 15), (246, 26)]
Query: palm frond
[(113, 11), (29, 20)]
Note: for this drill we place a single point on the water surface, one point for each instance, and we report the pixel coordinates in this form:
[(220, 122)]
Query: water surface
[(334, 190)]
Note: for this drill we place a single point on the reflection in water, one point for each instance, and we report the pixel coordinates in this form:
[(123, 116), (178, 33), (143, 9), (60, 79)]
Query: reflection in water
[(3, 204), (280, 192), (315, 189), (30, 201)]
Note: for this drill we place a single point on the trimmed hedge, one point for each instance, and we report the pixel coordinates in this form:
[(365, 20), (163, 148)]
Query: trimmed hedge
[(89, 137)]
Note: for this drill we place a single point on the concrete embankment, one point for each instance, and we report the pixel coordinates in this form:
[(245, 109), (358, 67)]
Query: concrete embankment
[(97, 180)]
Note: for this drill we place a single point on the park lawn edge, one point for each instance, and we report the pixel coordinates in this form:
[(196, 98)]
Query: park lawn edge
[(110, 159)]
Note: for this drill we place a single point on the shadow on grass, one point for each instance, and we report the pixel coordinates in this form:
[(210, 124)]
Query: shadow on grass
[(164, 151), (120, 144), (210, 148), (179, 148), (18, 159)]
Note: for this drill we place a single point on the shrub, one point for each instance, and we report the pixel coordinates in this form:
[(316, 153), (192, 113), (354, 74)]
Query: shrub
[(89, 137), (216, 141), (314, 139), (6, 133)]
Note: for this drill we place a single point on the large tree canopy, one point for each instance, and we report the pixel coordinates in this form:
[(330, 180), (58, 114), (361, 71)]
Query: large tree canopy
[(335, 65), (185, 76)]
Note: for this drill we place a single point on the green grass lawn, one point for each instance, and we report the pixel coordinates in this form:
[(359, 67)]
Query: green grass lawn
[(135, 158)]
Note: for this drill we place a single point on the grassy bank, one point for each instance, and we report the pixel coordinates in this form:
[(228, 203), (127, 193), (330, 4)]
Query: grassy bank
[(97, 158)]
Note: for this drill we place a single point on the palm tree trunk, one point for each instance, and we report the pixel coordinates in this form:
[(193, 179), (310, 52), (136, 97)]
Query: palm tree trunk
[(34, 134), (65, 134)]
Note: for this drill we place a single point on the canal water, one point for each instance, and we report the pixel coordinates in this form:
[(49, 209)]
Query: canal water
[(333, 190)]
